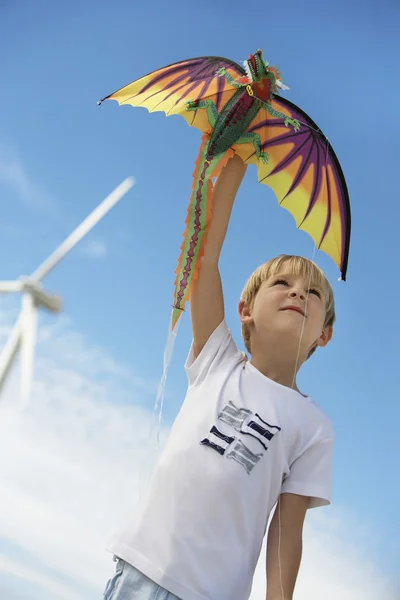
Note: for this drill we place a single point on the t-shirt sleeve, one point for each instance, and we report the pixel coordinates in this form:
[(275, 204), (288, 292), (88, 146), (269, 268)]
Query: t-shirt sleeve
[(220, 347), (311, 474)]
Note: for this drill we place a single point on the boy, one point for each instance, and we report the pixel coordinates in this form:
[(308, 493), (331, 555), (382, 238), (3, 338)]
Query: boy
[(244, 440)]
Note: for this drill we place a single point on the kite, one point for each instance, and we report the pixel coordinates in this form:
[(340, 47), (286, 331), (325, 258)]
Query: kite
[(239, 111)]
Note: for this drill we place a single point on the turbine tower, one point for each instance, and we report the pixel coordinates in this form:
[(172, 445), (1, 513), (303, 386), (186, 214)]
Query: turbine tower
[(23, 334)]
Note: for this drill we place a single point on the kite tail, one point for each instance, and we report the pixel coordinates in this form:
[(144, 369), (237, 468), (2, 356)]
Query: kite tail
[(192, 249), (197, 224)]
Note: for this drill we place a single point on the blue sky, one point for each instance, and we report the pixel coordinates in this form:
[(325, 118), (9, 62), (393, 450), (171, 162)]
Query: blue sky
[(60, 154)]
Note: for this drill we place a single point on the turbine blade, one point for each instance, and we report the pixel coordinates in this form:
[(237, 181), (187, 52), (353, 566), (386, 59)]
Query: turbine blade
[(83, 229), (10, 286), (28, 343), (40, 296), (10, 350)]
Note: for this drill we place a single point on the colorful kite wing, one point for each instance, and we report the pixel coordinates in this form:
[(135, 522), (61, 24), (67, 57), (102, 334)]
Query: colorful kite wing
[(169, 89), (306, 176)]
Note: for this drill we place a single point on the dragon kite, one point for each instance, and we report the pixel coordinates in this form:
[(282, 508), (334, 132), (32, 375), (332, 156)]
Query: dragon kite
[(239, 111)]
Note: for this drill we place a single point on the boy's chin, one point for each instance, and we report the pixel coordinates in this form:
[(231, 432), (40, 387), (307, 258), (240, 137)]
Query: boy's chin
[(290, 321), (286, 334)]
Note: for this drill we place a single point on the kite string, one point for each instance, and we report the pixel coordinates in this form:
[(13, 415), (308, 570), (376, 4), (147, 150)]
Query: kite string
[(292, 386)]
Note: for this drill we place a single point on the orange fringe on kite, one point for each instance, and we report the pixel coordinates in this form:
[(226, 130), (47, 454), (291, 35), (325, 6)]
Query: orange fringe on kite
[(214, 173)]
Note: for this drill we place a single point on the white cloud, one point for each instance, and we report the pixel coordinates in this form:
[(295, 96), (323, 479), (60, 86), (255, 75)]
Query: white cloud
[(73, 464), (32, 576), (72, 450), (95, 249), (14, 175), (336, 563)]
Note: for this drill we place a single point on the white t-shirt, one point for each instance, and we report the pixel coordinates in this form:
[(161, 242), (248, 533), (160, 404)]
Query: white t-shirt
[(239, 440)]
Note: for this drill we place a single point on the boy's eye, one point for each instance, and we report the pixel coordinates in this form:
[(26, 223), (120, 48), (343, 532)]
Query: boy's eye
[(281, 282), (315, 291)]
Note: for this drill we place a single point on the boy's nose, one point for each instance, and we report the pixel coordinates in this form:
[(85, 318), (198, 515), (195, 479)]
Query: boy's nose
[(295, 293)]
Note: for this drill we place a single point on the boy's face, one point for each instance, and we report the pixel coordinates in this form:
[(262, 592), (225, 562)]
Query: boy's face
[(286, 304)]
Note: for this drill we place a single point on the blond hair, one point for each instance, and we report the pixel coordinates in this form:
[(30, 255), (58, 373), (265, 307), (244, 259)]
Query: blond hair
[(298, 266)]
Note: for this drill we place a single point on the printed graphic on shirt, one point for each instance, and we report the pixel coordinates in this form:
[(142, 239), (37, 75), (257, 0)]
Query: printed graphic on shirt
[(217, 440), (260, 429), (246, 423), (234, 416), (244, 456)]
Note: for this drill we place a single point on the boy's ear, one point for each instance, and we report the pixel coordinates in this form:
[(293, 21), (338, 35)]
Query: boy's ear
[(244, 312), (325, 336)]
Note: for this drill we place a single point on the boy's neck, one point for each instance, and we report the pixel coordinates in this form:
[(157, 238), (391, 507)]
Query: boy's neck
[(278, 364)]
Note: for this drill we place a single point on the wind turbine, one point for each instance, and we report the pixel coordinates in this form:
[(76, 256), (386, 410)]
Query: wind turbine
[(34, 296)]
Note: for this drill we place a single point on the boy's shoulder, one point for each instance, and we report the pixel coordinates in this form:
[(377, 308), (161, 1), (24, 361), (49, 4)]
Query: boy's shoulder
[(219, 350), (322, 415), (313, 427)]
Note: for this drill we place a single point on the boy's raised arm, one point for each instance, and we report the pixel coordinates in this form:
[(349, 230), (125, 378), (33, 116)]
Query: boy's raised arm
[(206, 302)]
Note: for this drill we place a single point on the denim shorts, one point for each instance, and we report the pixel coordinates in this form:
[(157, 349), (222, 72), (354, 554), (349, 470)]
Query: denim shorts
[(129, 584)]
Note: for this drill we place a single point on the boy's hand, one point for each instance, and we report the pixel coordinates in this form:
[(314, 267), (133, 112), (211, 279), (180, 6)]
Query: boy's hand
[(206, 302)]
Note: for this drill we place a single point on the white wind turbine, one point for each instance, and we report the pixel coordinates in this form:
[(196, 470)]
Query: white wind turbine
[(24, 331)]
